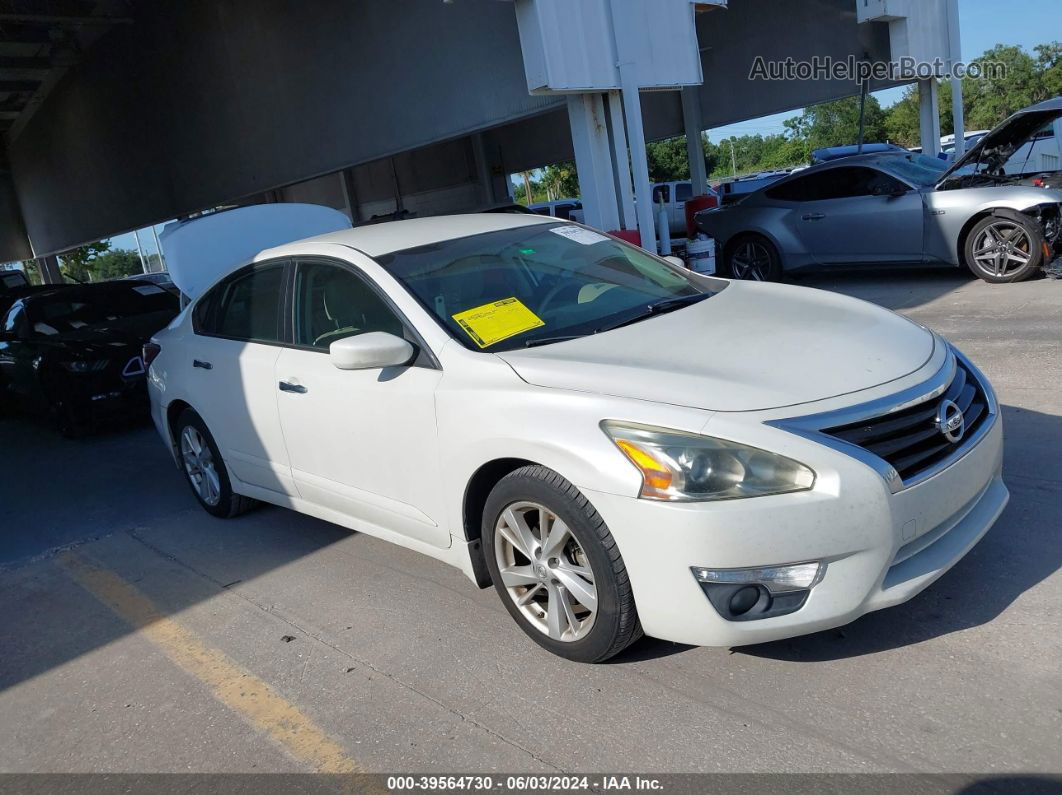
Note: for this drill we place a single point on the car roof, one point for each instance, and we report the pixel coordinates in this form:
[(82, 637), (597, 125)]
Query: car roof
[(874, 159), (378, 239)]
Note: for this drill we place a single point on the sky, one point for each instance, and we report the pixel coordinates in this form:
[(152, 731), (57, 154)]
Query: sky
[(982, 25)]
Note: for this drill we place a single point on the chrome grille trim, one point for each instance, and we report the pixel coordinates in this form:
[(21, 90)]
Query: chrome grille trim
[(816, 427)]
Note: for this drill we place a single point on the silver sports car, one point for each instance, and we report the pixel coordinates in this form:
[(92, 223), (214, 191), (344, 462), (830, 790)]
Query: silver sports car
[(902, 208)]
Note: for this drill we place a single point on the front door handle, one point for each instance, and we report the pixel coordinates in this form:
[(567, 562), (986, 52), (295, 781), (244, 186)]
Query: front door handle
[(200, 363), (813, 216), (287, 386)]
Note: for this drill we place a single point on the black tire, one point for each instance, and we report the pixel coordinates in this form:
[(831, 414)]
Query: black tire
[(753, 257), (998, 266), (228, 503), (615, 625)]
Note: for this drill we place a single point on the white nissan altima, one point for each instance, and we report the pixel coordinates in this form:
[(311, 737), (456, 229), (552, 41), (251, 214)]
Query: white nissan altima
[(617, 444)]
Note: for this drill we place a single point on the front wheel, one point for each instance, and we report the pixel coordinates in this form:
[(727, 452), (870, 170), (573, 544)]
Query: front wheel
[(1002, 249), (754, 258), (557, 568), (205, 470)]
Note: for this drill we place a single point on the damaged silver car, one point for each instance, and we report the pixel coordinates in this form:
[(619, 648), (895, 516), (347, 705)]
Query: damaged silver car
[(984, 212)]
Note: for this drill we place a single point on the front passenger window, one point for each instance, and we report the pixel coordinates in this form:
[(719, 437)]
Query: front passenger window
[(332, 303)]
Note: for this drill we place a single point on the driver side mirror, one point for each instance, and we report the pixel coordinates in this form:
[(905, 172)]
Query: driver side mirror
[(677, 261), (369, 351)]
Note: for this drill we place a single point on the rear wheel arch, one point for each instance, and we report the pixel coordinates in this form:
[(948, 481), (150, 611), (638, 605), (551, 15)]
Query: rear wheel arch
[(754, 235), (173, 412)]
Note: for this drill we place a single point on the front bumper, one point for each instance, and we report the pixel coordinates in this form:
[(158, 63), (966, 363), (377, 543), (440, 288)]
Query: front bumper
[(882, 548)]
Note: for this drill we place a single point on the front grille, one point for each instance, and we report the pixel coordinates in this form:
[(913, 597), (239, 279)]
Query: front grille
[(911, 440)]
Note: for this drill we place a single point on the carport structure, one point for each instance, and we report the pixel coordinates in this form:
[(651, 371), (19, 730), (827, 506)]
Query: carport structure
[(124, 113)]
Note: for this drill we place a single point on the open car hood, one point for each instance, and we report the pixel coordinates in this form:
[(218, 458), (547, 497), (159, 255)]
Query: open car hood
[(200, 251), (1009, 135)]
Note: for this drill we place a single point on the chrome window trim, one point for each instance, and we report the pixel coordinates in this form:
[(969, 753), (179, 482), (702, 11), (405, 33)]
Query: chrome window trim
[(811, 426)]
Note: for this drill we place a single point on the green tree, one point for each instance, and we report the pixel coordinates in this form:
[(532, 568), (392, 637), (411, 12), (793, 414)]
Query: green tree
[(667, 159), (902, 119), (987, 100), (752, 153), (115, 264), (77, 263), (560, 180), (837, 123), (33, 273)]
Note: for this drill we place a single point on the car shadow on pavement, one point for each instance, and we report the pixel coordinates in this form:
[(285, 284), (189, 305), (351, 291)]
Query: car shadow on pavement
[(893, 288), (1020, 551)]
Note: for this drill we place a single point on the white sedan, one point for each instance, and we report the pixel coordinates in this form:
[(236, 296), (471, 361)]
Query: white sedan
[(617, 444)]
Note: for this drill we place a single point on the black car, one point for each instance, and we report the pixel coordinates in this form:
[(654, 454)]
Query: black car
[(14, 285), (75, 350)]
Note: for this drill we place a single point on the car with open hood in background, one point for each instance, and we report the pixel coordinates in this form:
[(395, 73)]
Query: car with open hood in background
[(533, 402), (983, 212)]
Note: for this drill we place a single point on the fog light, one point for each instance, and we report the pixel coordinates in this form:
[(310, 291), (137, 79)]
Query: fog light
[(744, 600), (776, 579)]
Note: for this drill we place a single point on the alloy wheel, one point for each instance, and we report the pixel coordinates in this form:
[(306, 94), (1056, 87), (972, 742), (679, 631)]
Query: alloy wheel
[(751, 261), (545, 571), (1002, 248), (199, 465)]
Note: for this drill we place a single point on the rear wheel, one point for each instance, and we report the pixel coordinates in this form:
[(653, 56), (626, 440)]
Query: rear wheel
[(205, 470), (1002, 249), (754, 258), (557, 568)]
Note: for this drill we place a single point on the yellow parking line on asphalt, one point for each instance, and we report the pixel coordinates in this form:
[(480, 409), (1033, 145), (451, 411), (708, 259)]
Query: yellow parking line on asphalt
[(236, 688)]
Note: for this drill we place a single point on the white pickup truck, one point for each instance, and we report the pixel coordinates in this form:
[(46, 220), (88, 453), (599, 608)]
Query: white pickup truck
[(673, 195)]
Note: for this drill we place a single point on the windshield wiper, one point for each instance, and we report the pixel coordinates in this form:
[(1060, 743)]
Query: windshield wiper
[(551, 340), (658, 308)]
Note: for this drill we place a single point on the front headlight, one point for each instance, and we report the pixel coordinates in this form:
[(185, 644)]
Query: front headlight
[(679, 466)]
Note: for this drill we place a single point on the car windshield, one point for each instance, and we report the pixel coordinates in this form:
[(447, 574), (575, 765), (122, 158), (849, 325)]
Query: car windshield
[(537, 284), (75, 309), (915, 168)]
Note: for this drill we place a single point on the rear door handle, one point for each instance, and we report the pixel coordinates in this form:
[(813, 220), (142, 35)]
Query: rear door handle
[(813, 216), (201, 363), (299, 389)]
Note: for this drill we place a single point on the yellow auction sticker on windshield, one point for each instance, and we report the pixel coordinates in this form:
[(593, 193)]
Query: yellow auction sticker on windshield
[(498, 321)]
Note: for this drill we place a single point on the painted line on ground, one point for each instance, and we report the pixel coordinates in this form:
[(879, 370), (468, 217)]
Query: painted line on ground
[(235, 687)]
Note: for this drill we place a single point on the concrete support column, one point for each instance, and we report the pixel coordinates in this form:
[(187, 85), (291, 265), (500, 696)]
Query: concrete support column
[(593, 160), (691, 118), (350, 195), (479, 155), (643, 195), (49, 268), (624, 190), (955, 51), (929, 117)]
